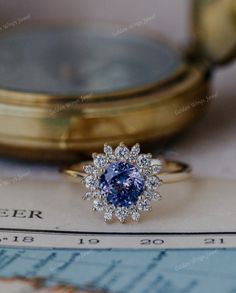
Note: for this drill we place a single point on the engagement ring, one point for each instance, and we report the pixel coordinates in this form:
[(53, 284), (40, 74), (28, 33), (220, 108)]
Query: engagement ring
[(123, 182)]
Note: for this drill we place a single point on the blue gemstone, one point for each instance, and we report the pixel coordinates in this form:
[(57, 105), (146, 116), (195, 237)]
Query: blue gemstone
[(121, 184)]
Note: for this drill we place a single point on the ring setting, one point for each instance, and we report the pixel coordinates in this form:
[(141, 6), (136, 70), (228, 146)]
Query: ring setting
[(122, 183)]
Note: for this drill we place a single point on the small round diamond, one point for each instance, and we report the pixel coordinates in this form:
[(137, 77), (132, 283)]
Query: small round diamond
[(89, 169), (91, 182), (156, 169), (135, 149), (134, 153), (121, 184), (108, 149), (152, 182), (135, 216), (100, 161), (98, 205), (156, 196), (144, 161), (144, 205), (122, 214), (122, 153), (108, 214), (152, 195), (88, 195)]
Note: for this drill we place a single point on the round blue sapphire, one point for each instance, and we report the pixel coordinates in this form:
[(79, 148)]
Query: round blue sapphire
[(121, 184)]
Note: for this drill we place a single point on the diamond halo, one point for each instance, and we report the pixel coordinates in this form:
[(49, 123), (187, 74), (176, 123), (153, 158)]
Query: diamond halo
[(122, 182)]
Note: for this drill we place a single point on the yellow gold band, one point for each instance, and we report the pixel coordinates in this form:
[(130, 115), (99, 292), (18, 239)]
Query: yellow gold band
[(171, 171)]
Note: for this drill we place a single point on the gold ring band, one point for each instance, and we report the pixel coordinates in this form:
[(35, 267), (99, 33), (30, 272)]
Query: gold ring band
[(171, 171)]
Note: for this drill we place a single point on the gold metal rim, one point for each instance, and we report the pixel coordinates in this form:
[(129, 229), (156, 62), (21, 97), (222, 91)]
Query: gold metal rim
[(149, 118)]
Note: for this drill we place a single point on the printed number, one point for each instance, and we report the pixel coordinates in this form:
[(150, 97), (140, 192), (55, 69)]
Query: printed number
[(214, 241), (90, 241), (150, 242), (26, 239)]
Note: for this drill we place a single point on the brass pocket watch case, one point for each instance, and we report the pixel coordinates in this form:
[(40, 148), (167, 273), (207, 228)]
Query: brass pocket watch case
[(68, 90)]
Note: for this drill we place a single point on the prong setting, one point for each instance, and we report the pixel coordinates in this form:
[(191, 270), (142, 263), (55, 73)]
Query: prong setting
[(143, 184)]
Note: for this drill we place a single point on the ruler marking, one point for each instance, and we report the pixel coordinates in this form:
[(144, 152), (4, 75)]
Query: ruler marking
[(63, 232)]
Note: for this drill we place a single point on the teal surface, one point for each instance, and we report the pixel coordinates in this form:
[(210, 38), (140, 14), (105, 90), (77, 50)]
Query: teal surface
[(133, 271)]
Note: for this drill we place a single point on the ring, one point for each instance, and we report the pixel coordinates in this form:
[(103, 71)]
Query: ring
[(123, 182)]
